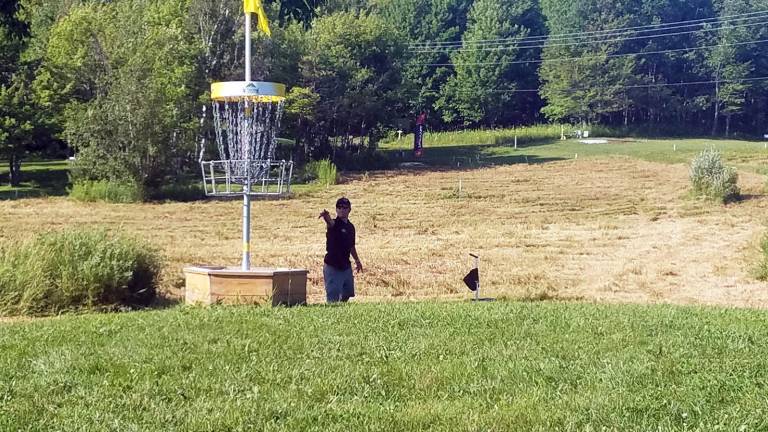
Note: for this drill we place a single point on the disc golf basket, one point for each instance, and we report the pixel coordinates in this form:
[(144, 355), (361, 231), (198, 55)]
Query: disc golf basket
[(246, 118)]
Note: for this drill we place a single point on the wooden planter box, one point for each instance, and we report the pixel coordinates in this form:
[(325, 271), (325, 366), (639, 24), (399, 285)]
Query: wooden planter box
[(208, 285)]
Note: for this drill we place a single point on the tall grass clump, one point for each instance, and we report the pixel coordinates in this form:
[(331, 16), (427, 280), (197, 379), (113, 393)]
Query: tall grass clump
[(762, 268), (711, 178), (76, 270), (105, 190), (322, 172), (326, 173)]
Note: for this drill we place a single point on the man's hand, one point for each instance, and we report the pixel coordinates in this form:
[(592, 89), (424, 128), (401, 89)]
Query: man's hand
[(358, 266), (326, 216)]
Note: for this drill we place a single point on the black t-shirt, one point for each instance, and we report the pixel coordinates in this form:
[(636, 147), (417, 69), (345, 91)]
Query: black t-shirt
[(339, 240)]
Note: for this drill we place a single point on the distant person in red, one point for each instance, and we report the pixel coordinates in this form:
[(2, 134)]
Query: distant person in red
[(418, 134)]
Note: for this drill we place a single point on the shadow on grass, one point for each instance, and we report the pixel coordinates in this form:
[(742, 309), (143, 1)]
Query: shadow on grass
[(38, 179), (165, 301), (746, 197), (472, 156)]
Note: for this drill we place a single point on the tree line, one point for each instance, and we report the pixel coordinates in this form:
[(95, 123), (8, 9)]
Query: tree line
[(125, 83)]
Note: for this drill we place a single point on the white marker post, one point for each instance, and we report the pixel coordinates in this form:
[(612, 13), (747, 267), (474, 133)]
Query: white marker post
[(477, 266)]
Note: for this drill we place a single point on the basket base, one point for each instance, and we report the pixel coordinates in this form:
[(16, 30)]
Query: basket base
[(207, 285)]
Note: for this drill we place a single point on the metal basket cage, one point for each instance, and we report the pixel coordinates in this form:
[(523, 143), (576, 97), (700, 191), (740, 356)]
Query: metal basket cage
[(251, 177)]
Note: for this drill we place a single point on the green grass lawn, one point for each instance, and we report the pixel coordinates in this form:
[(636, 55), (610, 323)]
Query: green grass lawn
[(38, 178), (389, 367), (539, 144), (468, 149)]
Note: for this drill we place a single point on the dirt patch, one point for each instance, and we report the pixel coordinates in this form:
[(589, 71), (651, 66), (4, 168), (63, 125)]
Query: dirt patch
[(612, 230)]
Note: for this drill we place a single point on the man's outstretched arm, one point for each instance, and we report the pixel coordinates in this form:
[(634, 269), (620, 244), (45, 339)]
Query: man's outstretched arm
[(326, 216)]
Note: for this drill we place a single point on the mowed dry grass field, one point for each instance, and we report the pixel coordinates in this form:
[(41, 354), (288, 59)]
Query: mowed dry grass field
[(607, 230)]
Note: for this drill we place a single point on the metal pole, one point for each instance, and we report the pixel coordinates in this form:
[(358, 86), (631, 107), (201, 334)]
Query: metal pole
[(246, 229), (477, 266), (246, 264), (247, 46)]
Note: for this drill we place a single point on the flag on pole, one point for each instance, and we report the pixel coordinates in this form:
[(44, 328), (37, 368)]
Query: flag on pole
[(255, 6), (472, 278)]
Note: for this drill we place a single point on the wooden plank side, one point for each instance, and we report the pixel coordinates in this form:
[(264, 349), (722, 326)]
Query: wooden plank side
[(226, 285), (290, 289), (239, 300), (197, 289)]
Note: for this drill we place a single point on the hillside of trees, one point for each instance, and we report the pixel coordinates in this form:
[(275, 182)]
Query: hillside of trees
[(125, 83)]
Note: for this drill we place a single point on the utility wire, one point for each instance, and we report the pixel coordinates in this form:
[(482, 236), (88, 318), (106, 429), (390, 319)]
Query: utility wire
[(600, 33), (566, 59), (541, 39), (546, 45), (680, 84)]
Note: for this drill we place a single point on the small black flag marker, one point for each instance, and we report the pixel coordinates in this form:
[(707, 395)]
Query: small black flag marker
[(471, 279)]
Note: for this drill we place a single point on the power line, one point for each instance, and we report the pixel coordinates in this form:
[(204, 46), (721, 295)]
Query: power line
[(540, 39), (601, 33), (680, 84), (499, 48), (565, 59), (624, 29)]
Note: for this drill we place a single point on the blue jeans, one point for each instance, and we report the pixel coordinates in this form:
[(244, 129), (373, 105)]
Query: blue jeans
[(339, 284)]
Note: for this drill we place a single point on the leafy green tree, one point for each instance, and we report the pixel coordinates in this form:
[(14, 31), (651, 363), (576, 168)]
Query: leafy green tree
[(426, 24), (124, 88), (728, 63), (22, 121), (13, 34), (482, 91), (353, 63), (659, 103), (300, 116), (300, 11), (18, 123), (582, 79)]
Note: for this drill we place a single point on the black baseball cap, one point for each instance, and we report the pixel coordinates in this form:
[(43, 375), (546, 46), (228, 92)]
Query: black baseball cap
[(343, 202)]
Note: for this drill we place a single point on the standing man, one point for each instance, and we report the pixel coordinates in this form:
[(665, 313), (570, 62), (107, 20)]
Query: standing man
[(339, 244)]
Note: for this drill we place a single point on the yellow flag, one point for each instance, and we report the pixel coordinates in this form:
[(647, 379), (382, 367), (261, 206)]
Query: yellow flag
[(254, 6)]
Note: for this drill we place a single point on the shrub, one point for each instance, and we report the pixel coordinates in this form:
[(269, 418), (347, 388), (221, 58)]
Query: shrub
[(710, 177), (76, 270), (762, 268), (307, 173), (182, 192), (109, 191)]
